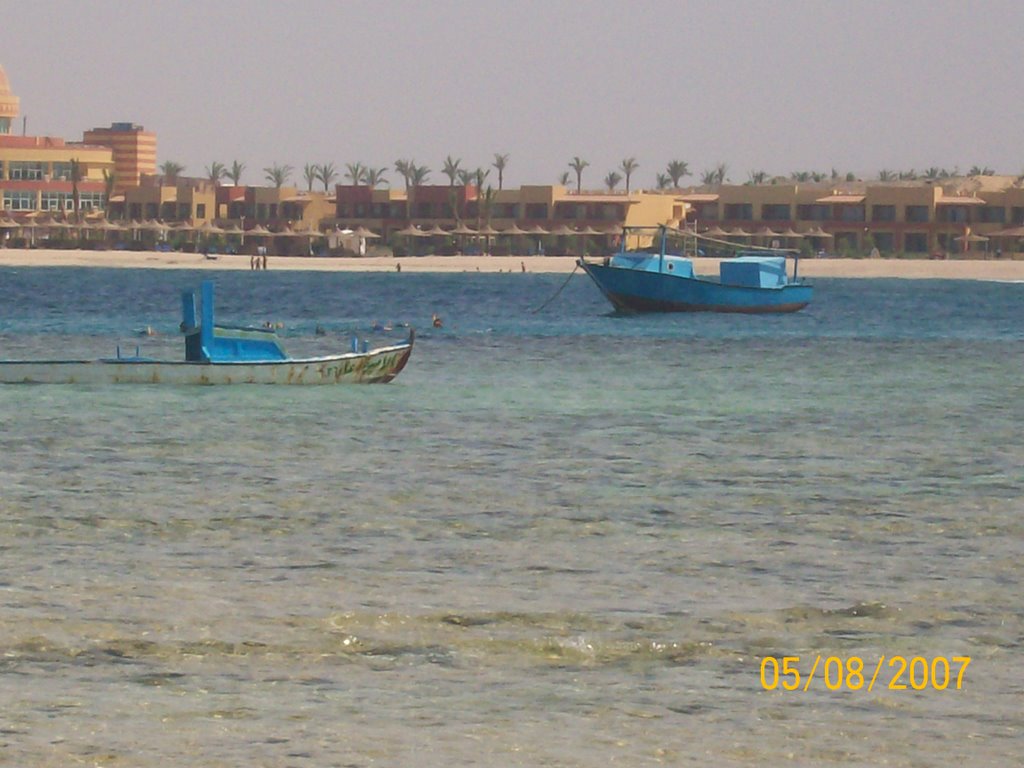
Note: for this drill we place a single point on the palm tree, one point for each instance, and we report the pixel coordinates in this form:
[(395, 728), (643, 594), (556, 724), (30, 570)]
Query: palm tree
[(886, 175), (479, 176), (708, 178), (662, 181), (578, 164), (977, 170), (374, 177), (215, 172), (800, 176), (486, 204), (451, 169), (720, 170), (326, 175), (403, 167), (277, 174), (417, 176), (171, 170), (564, 179), (628, 166), (932, 173), (235, 174), (355, 172), (676, 170), (310, 173), (500, 163), (465, 177), (109, 182), (612, 180), (76, 176), (757, 177)]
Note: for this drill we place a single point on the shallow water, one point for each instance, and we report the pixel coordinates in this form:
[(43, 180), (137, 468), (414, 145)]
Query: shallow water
[(559, 538)]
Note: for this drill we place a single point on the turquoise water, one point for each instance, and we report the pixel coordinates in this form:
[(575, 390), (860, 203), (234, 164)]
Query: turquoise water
[(559, 538)]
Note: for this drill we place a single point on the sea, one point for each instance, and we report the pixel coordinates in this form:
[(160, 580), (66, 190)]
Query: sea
[(561, 537)]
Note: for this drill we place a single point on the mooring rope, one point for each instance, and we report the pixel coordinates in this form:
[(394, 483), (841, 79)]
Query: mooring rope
[(555, 294)]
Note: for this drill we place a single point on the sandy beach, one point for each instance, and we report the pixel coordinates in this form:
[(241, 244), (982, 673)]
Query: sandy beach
[(958, 269)]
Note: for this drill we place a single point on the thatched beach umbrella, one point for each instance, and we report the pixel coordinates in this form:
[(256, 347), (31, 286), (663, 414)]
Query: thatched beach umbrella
[(715, 231), (412, 231)]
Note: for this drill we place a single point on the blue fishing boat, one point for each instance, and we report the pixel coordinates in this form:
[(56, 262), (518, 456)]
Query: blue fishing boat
[(219, 354), (659, 277)]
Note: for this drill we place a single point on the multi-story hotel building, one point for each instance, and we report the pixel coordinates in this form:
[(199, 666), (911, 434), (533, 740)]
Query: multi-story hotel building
[(117, 166), (977, 213), (544, 209), (134, 150), (37, 172)]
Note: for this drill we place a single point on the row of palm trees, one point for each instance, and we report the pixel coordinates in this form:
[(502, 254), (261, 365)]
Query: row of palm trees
[(415, 175)]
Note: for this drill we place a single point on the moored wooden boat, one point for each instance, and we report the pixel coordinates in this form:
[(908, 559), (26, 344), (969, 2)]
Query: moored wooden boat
[(219, 355), (656, 279)]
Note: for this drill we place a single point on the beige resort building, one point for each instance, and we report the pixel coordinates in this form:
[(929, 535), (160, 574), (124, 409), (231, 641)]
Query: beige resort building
[(982, 215)]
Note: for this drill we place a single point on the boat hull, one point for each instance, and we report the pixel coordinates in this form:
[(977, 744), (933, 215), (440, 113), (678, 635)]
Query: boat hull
[(635, 291), (376, 366)]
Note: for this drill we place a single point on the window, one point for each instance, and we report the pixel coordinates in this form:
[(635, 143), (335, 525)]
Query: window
[(1017, 215), (884, 241), (200, 210), (707, 211), (17, 200), (992, 214), (23, 171), (851, 212), (739, 211), (812, 212), (775, 212), (955, 214), (1, 169), (917, 213), (88, 201), (883, 213), (536, 211), (847, 241), (915, 242), (61, 171), (56, 201)]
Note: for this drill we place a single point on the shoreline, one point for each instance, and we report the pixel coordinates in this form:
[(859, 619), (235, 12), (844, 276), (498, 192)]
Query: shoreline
[(957, 269)]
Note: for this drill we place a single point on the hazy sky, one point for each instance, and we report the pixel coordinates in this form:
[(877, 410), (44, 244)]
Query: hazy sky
[(773, 86)]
